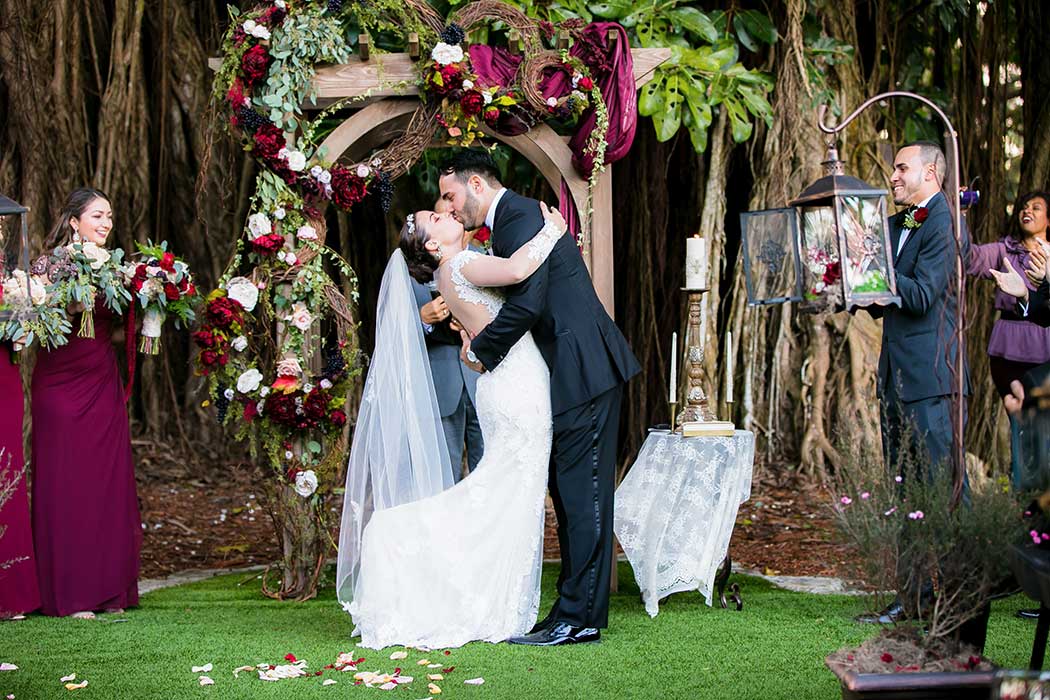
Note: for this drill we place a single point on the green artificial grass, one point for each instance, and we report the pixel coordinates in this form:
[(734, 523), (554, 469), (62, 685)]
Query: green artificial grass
[(774, 648)]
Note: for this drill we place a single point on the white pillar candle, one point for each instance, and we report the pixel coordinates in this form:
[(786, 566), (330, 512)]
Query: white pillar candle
[(673, 390), (729, 366), (695, 262)]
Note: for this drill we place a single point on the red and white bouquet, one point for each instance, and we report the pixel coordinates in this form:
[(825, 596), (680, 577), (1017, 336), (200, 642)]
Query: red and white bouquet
[(163, 287)]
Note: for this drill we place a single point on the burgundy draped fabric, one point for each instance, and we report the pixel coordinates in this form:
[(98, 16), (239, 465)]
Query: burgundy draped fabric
[(612, 71)]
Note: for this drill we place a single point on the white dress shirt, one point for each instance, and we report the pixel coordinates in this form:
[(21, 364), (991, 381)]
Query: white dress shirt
[(905, 230), (490, 216)]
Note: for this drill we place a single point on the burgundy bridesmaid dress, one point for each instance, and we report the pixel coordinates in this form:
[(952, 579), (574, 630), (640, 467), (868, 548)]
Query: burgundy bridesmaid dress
[(86, 524), (18, 589)]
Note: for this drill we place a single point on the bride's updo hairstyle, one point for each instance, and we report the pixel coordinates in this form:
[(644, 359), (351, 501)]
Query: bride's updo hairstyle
[(421, 262)]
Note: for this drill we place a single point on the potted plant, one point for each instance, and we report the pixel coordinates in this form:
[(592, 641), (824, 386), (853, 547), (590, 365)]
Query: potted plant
[(946, 564)]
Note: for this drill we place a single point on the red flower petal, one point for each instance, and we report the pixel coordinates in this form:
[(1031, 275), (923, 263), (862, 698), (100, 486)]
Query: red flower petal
[(887, 657), (290, 658), (450, 669), (447, 652)]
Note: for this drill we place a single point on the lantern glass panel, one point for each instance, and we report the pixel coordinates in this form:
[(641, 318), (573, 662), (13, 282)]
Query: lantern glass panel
[(868, 273), (820, 251), (13, 256), (771, 264)]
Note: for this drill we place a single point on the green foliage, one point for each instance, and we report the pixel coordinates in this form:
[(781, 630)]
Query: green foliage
[(704, 72)]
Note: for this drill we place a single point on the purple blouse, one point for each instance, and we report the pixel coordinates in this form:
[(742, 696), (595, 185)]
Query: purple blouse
[(1020, 341)]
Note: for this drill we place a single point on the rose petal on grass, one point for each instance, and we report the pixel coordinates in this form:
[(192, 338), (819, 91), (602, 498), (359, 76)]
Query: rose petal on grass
[(435, 677), (290, 658), (433, 665), (403, 680), (450, 669), (447, 652), (8, 667), (76, 686), (329, 681), (434, 690), (390, 685), (398, 655), (237, 670), (66, 679), (474, 681), (204, 680), (206, 668), (423, 662)]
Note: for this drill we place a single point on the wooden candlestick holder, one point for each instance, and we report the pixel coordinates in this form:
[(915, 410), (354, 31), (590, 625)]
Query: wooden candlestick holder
[(696, 408)]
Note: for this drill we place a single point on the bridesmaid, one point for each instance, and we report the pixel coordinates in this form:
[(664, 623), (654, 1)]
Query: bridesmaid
[(18, 589), (86, 523)]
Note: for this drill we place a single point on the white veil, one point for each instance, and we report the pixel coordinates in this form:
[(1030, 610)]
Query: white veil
[(398, 454)]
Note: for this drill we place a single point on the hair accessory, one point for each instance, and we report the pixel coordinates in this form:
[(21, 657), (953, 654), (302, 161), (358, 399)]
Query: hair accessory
[(410, 221)]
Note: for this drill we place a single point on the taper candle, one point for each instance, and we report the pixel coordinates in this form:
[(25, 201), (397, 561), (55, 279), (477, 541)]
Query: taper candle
[(673, 391), (729, 366)]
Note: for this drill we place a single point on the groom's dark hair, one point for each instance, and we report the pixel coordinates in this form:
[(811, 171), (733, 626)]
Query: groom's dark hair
[(469, 161)]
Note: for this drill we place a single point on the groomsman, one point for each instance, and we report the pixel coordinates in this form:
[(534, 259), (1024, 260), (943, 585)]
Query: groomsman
[(918, 339), (454, 382)]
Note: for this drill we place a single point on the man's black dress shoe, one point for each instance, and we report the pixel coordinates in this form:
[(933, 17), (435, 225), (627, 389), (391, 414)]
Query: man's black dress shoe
[(544, 623), (1028, 613), (557, 634), (894, 612)]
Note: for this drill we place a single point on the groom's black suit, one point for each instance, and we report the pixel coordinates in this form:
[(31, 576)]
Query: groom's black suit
[(589, 362)]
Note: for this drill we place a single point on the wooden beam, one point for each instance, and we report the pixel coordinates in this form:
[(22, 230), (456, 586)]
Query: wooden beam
[(396, 75), (602, 253), (413, 46), (563, 40), (514, 42), (364, 43)]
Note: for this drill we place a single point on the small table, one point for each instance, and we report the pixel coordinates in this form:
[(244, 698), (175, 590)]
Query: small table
[(1031, 567), (676, 507)]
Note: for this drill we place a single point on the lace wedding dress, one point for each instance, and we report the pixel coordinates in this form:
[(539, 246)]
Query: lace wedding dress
[(464, 564)]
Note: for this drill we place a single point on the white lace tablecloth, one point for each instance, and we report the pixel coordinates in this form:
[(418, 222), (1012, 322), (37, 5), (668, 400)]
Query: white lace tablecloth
[(676, 507)]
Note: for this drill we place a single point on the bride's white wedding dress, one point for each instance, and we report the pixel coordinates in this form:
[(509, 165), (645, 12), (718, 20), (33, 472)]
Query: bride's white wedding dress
[(464, 564)]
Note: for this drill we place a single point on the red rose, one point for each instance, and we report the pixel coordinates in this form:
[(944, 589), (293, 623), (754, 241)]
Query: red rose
[(920, 214), (338, 418), (268, 245), (136, 284), (274, 16), (254, 64), (315, 407), (192, 290), (269, 140), (167, 262), (209, 357), (471, 103), (235, 96), (222, 312), (586, 83), (483, 234), (491, 115), (832, 273), (171, 292), (140, 271), (205, 339), (184, 285), (280, 408), (250, 411), (347, 188)]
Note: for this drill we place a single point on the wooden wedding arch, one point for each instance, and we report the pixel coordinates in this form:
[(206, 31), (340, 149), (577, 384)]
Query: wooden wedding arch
[(388, 84)]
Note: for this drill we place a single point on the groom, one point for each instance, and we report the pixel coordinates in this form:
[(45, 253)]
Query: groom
[(589, 363)]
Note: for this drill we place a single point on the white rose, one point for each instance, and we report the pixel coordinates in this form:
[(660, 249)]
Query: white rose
[(260, 32), (306, 233), (288, 454), (296, 161), (306, 483), (486, 97), (15, 289), (300, 317), (152, 287), (248, 26), (325, 177), (249, 381), (228, 394), (445, 54), (279, 213), (363, 171), (552, 102), (243, 291), (280, 255), (263, 392), (279, 3), (290, 259), (239, 343), (467, 84), (289, 367), (325, 384), (259, 225), (316, 171), (98, 256), (308, 387)]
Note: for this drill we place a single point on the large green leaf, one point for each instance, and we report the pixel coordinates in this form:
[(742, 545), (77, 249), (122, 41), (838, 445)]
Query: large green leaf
[(745, 38), (738, 122), (668, 120), (652, 99), (697, 119), (611, 9), (756, 103), (695, 21), (758, 25)]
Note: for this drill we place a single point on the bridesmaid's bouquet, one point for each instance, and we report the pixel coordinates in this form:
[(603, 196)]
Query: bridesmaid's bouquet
[(36, 317), (164, 288), (80, 273)]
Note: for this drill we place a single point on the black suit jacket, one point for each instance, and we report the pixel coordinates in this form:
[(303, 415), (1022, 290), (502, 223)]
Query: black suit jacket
[(586, 353), (1038, 305), (918, 347)]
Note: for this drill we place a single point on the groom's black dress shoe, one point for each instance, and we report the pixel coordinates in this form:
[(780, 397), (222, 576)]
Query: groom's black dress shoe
[(557, 634), (543, 624), (894, 612)]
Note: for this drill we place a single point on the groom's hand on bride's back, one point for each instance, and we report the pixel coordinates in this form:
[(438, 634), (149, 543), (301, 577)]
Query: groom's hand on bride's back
[(467, 356)]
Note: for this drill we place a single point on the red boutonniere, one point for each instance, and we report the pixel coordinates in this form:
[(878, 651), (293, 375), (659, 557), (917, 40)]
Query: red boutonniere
[(483, 237), (914, 219)]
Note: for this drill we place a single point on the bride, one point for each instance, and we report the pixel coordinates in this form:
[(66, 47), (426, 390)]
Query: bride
[(422, 562)]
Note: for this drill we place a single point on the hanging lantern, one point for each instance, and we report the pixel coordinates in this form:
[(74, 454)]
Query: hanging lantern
[(14, 251), (840, 234)]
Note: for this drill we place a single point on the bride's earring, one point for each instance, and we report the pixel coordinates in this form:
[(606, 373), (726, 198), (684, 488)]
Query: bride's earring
[(437, 253), (76, 236)]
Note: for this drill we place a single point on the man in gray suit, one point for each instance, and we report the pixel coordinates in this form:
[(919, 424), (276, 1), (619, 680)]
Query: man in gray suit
[(918, 339), (454, 382)]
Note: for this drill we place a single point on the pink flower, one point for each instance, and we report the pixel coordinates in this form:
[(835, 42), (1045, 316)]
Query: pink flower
[(865, 496), (891, 511), (916, 515), (1035, 536), (845, 500), (898, 478)]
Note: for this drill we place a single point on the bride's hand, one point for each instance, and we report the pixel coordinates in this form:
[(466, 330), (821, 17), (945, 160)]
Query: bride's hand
[(553, 216)]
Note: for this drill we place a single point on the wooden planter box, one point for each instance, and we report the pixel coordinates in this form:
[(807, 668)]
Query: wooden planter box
[(969, 685)]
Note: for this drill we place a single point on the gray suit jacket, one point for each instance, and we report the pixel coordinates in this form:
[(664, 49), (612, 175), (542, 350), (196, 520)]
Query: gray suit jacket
[(918, 347), (451, 376)]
